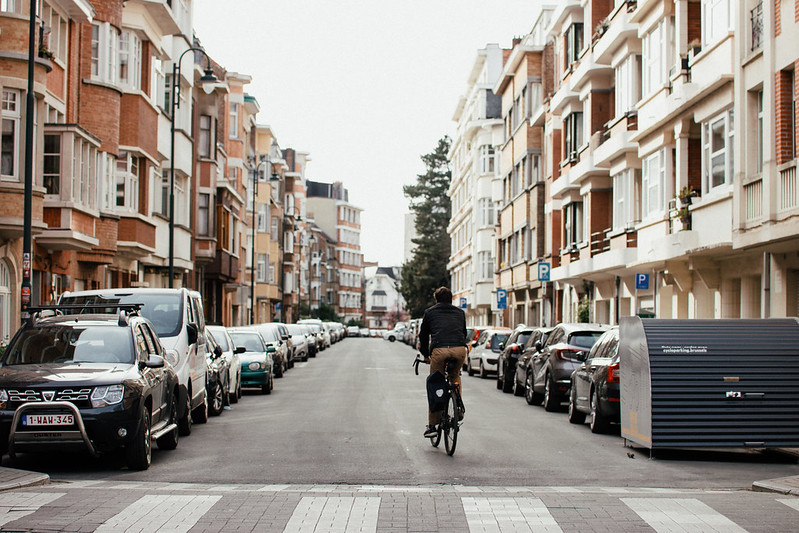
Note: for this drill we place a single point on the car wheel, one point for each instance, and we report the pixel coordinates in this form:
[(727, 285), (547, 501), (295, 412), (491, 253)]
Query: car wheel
[(200, 413), (234, 396), (507, 384), (518, 388), (279, 372), (530, 395), (170, 440), (483, 373), (217, 404), (184, 423), (551, 401), (599, 423), (499, 379), (266, 388), (471, 370), (575, 415), (139, 453)]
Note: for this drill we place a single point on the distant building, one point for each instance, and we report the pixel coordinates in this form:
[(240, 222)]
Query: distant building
[(384, 303)]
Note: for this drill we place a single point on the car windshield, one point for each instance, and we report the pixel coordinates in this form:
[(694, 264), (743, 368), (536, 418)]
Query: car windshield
[(220, 338), (73, 344), (164, 310), (295, 330), (497, 339), (251, 341), (523, 337), (584, 339), (269, 333)]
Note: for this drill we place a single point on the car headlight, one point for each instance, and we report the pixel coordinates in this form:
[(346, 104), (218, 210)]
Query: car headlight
[(254, 366), (172, 357), (108, 395)]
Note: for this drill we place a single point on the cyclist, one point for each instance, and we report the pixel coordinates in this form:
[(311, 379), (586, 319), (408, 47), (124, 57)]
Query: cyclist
[(442, 335)]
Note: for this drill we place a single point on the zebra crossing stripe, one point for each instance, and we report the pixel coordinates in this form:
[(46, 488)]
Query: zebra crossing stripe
[(681, 514), (793, 504), (174, 513), (15, 505), (342, 514), (508, 514)]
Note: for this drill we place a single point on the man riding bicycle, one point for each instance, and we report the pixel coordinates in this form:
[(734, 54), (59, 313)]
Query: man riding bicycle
[(442, 335)]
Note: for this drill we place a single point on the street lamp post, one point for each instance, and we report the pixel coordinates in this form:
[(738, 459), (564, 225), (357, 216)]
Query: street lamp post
[(311, 240), (174, 102), (254, 208)]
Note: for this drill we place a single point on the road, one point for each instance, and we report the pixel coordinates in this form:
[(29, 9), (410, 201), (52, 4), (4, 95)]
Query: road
[(347, 425)]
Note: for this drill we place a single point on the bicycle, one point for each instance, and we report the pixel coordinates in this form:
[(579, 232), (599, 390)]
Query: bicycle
[(452, 415)]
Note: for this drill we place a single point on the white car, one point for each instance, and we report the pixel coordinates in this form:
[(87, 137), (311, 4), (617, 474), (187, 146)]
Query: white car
[(483, 358), (394, 334), (231, 354), (299, 341)]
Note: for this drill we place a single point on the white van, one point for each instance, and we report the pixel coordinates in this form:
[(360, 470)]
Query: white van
[(179, 321)]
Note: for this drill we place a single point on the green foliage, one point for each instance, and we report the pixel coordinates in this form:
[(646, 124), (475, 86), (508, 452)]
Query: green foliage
[(584, 310), (326, 312), (353, 322), (427, 269)]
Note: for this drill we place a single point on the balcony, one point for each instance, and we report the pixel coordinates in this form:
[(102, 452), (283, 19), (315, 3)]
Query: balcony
[(588, 70), (788, 187), (617, 140), (564, 96), (620, 29), (224, 265), (161, 12)]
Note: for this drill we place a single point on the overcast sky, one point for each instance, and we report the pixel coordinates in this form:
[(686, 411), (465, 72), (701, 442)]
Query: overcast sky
[(366, 87)]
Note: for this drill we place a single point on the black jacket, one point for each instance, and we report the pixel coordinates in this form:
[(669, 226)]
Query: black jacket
[(443, 325)]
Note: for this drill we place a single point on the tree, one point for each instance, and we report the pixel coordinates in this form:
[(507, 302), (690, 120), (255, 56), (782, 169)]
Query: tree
[(430, 204)]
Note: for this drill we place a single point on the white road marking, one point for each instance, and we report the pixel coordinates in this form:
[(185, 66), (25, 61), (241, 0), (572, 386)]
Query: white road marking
[(793, 504), (345, 514), (174, 513), (15, 505), (681, 514), (500, 515)]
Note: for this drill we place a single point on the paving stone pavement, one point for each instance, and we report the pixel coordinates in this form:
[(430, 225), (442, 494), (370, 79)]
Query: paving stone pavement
[(86, 506)]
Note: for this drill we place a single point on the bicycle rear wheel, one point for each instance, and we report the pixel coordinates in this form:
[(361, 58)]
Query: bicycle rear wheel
[(449, 421), (435, 441)]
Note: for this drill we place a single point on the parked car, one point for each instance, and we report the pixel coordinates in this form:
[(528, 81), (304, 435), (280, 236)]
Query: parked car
[(257, 365), (353, 331), (231, 353), (483, 358), (312, 338), (322, 335), (95, 382), (364, 332), (178, 318), (299, 342), (523, 384), (554, 364), (274, 338), (394, 333), (218, 384), (595, 384), (508, 357)]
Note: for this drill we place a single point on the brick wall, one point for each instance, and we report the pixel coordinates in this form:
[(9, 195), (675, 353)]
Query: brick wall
[(108, 11), (777, 18), (695, 21), (138, 124), (601, 212), (98, 106), (601, 111), (695, 164), (784, 96), (600, 9)]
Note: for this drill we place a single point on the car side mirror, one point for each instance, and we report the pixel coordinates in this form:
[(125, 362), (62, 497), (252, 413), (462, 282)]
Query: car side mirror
[(191, 331), (218, 351), (582, 356), (240, 349), (285, 337), (501, 346), (154, 361), (538, 346)]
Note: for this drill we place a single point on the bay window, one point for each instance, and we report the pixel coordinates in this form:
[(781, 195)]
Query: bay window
[(487, 159), (9, 143), (653, 182), (203, 214), (205, 140), (127, 181), (104, 47), (51, 172), (130, 60), (716, 20), (717, 151), (626, 199), (628, 85), (655, 47)]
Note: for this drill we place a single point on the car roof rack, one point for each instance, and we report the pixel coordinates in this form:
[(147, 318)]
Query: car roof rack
[(125, 310)]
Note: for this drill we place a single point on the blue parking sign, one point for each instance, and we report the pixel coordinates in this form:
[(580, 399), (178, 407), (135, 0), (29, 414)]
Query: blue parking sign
[(543, 271), (463, 303), (502, 299), (642, 282)]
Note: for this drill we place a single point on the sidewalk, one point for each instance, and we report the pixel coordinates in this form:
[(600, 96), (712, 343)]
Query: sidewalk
[(11, 479), (783, 485)]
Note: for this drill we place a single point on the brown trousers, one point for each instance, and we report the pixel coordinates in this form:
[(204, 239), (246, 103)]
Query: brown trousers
[(437, 358)]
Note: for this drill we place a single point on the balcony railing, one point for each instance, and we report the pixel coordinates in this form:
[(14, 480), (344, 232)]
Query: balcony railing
[(753, 200), (756, 18), (789, 188)]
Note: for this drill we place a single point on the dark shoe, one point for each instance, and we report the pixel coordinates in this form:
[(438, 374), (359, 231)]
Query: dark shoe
[(430, 432)]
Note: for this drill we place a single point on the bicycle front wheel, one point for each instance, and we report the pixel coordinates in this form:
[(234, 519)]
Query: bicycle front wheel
[(435, 441), (449, 421)]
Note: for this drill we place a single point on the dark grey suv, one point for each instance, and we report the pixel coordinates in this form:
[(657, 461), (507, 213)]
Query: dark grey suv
[(558, 358)]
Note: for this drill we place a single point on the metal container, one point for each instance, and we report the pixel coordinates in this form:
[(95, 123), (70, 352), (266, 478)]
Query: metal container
[(710, 383)]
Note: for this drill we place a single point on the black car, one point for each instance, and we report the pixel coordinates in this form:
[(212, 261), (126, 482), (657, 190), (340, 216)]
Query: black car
[(595, 385), (93, 382), (511, 351), (554, 364), (218, 384), (523, 383)]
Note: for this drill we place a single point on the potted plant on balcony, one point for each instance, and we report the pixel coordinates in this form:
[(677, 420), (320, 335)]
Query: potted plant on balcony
[(684, 215), (685, 195), (694, 47)]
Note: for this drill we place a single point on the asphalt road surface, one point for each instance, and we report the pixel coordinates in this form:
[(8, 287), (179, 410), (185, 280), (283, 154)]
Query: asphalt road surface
[(355, 415)]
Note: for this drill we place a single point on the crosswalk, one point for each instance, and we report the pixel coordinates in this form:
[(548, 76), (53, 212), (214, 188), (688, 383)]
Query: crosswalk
[(346, 509)]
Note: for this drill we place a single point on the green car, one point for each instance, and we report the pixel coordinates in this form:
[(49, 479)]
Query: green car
[(257, 364)]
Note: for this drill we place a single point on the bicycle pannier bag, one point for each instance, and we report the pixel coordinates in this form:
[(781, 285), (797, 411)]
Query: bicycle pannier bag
[(436, 391)]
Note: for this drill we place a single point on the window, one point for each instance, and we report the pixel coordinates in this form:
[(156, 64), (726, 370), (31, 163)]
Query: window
[(130, 60), (626, 198), (273, 232), (487, 159), (5, 302), (628, 85), (105, 44), (535, 169), (203, 213), (51, 173), (106, 165), (655, 58), (263, 218), (759, 130), (234, 121), (717, 154), (262, 261), (574, 43), (55, 32), (653, 181), (716, 20), (573, 224), (181, 200), (127, 181), (223, 229), (9, 145), (487, 214), (573, 135), (10, 6), (205, 141)]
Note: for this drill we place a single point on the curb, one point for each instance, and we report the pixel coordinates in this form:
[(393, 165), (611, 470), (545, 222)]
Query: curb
[(11, 479), (784, 485)]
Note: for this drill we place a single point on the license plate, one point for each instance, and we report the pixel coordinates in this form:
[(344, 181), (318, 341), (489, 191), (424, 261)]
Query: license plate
[(48, 420)]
